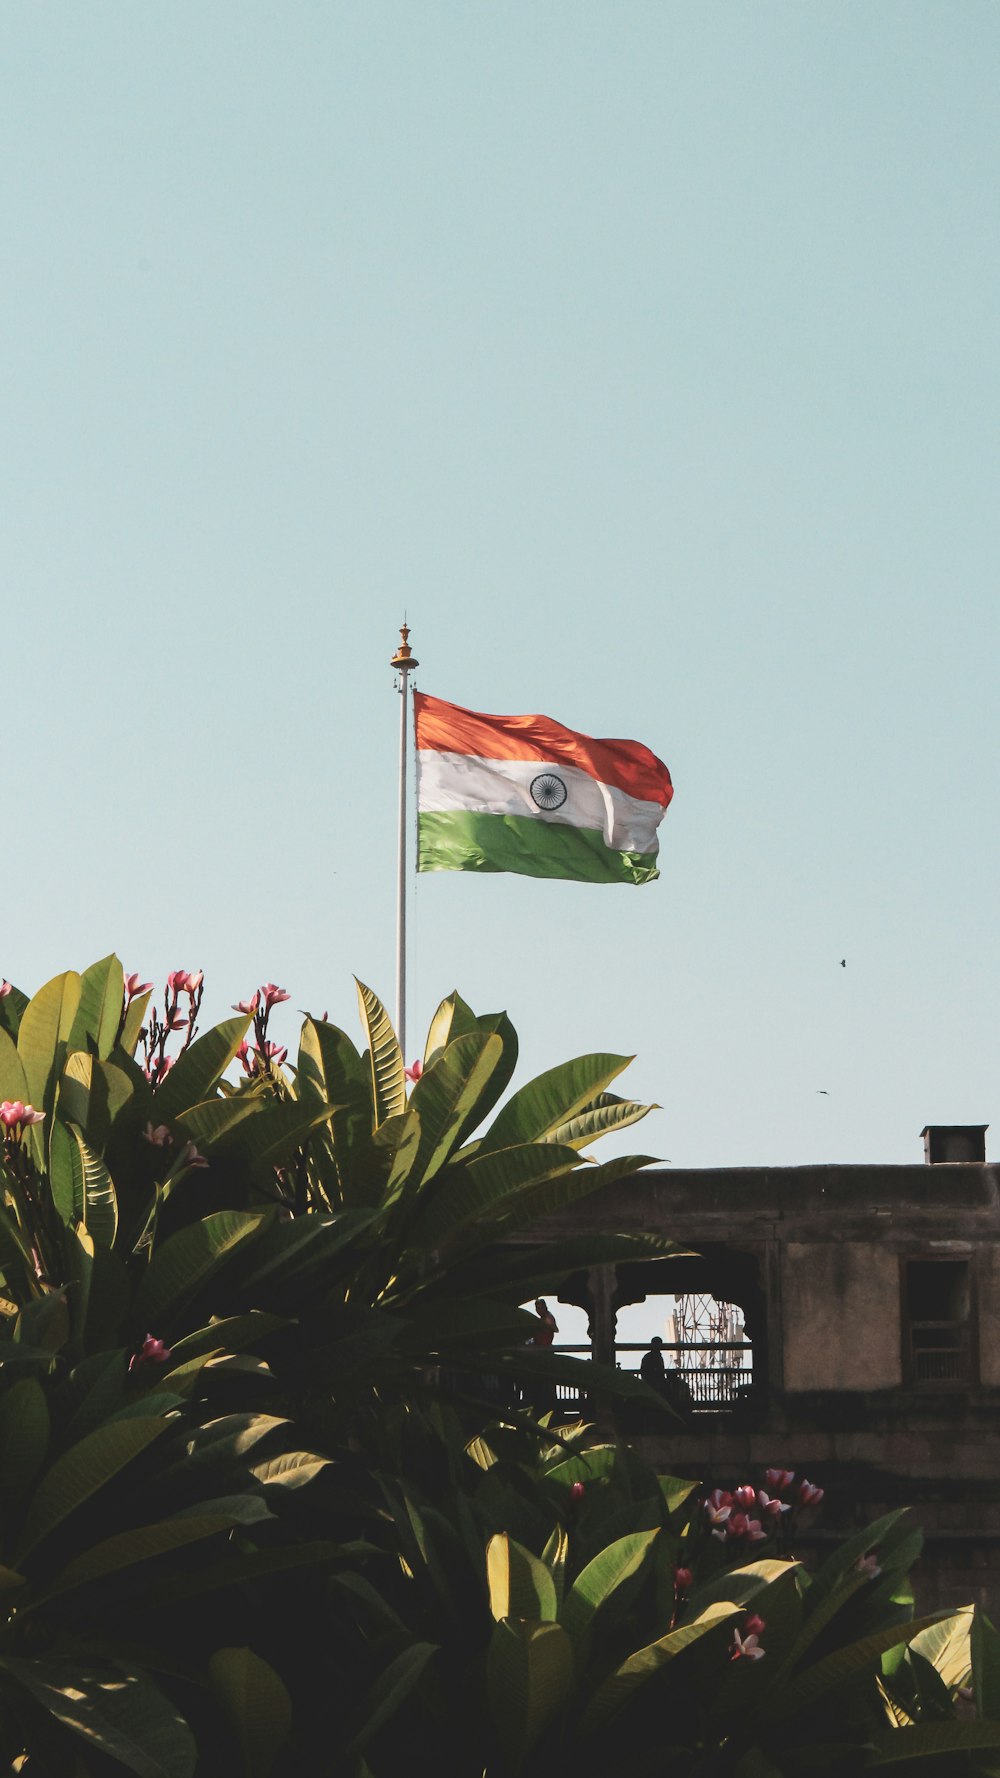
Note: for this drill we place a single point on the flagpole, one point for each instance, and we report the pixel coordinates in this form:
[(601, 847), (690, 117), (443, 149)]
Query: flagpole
[(404, 663)]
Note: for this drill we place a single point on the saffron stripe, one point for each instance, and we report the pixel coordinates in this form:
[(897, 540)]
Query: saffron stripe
[(628, 765)]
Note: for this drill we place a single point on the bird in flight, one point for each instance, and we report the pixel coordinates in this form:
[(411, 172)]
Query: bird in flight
[(843, 962)]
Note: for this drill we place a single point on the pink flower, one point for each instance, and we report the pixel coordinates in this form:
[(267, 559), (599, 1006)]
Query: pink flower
[(808, 1494), (6, 988), (158, 1135), (719, 1497), (152, 1351), (682, 1579), (716, 1515), (189, 1157), (415, 1070), (159, 1069), (754, 1532), (754, 1625), (576, 1491), (774, 1508), (273, 995), (779, 1479), (244, 1058), (273, 1052), (745, 1496), (184, 981), (745, 1648), (867, 1565), (248, 1006), (179, 1022), (16, 1116), (134, 987)]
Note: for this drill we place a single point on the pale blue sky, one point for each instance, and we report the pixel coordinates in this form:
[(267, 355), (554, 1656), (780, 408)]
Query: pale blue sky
[(646, 355)]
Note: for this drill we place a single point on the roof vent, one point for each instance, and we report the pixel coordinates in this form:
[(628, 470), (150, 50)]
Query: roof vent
[(954, 1142)]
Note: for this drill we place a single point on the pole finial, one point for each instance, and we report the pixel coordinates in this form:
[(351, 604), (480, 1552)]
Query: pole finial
[(403, 658)]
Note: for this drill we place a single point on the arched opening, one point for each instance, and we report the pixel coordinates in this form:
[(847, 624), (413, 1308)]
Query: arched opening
[(694, 1328)]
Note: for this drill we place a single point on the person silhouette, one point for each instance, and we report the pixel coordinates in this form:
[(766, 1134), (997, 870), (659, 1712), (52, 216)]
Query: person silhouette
[(652, 1370), (547, 1329)]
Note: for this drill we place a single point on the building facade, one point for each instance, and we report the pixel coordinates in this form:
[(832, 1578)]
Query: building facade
[(870, 1358)]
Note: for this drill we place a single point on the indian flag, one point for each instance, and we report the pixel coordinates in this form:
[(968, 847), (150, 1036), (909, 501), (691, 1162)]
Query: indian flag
[(522, 793)]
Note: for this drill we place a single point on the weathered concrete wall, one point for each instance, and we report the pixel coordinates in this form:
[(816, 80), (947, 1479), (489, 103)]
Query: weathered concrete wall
[(840, 1303), (988, 1310)]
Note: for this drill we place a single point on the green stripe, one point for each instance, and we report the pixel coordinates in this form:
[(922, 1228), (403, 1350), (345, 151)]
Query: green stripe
[(459, 840)]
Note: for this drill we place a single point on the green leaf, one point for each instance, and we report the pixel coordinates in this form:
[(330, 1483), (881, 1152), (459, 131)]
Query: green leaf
[(199, 1069), (81, 1472), (181, 1266), (612, 1696), (272, 1138), (296, 1254), (555, 1555), (98, 1015), (331, 1072), (24, 1441), (388, 1079), (526, 1208), (479, 1189), (930, 1739), (81, 1272), (12, 1005), (387, 1693), (740, 1585), (131, 1548), (120, 1712), (538, 1109), (984, 1647), (536, 1271), (441, 1104), (257, 1704), (609, 1113), (13, 1080), (293, 1469), (601, 1578), (237, 1570), (520, 1585), (231, 1333), (16, 1261), (91, 1094), (454, 1018), (100, 1204), (947, 1647), (529, 1678), (135, 1018), (675, 1490), (841, 1564), (214, 1119), (834, 1670), (41, 1045)]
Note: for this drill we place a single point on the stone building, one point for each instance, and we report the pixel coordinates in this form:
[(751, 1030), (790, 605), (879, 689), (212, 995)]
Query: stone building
[(870, 1361)]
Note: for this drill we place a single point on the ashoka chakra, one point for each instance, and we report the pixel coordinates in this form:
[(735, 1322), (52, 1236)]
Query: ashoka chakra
[(548, 791)]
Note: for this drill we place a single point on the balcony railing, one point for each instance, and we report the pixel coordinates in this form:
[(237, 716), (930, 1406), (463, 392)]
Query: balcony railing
[(698, 1379), (939, 1352)]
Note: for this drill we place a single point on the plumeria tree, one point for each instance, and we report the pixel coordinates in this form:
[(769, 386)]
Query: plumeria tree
[(260, 1511)]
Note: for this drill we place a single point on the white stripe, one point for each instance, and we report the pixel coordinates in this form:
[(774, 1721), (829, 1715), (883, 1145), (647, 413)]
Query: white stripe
[(503, 787)]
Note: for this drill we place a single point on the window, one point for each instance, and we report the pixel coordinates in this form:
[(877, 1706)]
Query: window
[(937, 1321)]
